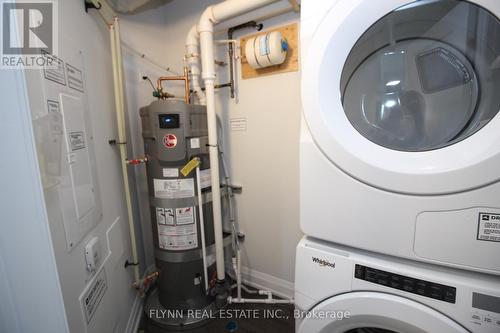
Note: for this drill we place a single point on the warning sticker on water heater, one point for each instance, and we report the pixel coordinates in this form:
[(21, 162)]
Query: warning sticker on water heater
[(181, 236), (165, 216), (489, 227), (184, 215), (174, 188)]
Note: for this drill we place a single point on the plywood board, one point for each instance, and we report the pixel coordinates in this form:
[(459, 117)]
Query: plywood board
[(291, 64)]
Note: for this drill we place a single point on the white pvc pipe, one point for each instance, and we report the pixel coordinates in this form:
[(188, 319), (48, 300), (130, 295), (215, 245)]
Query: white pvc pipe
[(202, 228), (238, 273), (260, 300), (193, 62), (213, 15)]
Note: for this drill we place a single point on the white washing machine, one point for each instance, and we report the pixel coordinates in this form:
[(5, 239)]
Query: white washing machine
[(342, 290), (400, 141)]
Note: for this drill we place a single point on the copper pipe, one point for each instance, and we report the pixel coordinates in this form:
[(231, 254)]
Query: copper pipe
[(184, 78)]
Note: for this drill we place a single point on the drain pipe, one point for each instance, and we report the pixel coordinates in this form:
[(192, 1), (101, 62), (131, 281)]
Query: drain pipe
[(211, 16), (192, 59)]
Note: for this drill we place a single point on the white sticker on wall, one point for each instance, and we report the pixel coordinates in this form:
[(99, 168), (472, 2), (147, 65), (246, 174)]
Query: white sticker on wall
[(77, 140), (184, 215), (205, 178), (238, 124), (54, 72), (173, 188), (54, 112), (75, 77), (93, 295), (195, 143), (489, 227), (170, 172)]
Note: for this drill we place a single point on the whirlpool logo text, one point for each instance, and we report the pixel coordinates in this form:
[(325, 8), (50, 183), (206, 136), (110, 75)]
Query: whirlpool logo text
[(322, 262)]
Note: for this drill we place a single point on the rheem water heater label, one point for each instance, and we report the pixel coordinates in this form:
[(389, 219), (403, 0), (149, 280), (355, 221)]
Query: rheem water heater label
[(183, 235), (174, 188), (489, 227)]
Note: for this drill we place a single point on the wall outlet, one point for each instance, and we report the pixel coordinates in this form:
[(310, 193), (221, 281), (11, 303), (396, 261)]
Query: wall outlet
[(93, 255)]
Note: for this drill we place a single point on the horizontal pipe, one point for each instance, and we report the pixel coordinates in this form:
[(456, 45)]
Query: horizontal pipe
[(221, 29), (232, 300)]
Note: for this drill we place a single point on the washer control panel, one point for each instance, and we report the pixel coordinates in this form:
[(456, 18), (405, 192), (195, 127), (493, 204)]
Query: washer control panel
[(429, 289)]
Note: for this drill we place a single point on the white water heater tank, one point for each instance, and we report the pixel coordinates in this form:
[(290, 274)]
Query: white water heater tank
[(266, 50)]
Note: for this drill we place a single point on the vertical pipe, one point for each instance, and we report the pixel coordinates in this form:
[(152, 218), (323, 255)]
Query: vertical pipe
[(212, 15), (238, 273), (202, 228), (214, 168), (122, 137), (192, 58)]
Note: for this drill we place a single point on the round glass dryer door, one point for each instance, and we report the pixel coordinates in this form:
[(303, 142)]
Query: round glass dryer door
[(421, 78), (404, 95)]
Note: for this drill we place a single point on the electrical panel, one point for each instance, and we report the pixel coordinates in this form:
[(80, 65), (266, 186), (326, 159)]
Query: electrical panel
[(65, 146)]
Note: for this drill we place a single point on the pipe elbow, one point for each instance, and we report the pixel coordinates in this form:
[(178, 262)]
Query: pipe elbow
[(207, 20), (192, 38)]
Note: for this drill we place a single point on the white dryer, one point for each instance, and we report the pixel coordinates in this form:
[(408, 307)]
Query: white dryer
[(341, 290), (400, 141)]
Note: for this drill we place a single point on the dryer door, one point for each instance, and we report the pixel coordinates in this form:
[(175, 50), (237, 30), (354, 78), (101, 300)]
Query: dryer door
[(377, 313), (405, 95)]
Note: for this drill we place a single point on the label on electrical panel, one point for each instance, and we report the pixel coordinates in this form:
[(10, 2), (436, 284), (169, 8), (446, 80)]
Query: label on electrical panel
[(92, 297), (77, 140), (55, 72), (174, 188), (54, 112), (75, 78), (181, 236), (489, 227)]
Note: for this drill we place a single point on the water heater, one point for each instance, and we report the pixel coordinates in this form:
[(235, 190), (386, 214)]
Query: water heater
[(174, 133)]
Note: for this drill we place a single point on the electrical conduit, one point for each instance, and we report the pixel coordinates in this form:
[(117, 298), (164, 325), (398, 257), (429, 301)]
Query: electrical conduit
[(114, 31)]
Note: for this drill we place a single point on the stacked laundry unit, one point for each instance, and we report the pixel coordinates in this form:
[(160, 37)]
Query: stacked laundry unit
[(399, 166)]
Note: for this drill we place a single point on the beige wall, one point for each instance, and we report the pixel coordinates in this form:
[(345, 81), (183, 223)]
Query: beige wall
[(264, 159)]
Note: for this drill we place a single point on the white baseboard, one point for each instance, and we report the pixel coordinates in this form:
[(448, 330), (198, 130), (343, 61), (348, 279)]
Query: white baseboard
[(135, 316), (259, 280)]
